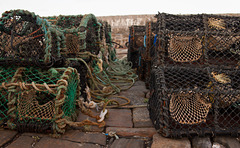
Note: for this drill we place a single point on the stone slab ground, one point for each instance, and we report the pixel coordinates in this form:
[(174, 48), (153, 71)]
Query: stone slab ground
[(132, 126)]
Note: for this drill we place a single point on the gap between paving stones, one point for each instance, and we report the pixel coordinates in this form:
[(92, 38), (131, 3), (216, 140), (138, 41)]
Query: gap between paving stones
[(15, 135)]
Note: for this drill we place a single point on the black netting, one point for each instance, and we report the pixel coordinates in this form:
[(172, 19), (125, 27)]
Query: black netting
[(195, 101), (27, 40), (195, 89), (81, 32), (136, 39), (147, 53), (198, 40), (68, 21), (180, 22)]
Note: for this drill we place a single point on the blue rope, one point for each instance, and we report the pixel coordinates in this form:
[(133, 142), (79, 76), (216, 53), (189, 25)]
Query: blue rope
[(144, 43), (140, 58), (155, 40), (139, 61)]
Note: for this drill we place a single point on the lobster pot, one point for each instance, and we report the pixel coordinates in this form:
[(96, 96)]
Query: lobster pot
[(26, 39), (105, 32), (6, 75), (222, 40), (184, 49), (187, 23), (107, 52), (136, 39), (82, 33), (147, 55), (189, 101), (83, 71), (41, 100), (198, 40), (180, 39)]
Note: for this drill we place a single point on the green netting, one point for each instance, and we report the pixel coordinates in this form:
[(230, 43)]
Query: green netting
[(40, 76), (34, 106), (69, 106), (82, 33), (5, 77), (38, 98)]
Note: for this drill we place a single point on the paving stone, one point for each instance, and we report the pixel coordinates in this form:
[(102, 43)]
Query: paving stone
[(139, 83), (141, 117), (139, 88), (22, 142), (34, 134), (119, 118), (201, 142), (127, 143), (217, 145), (6, 136), (136, 94), (130, 132), (228, 142), (161, 142), (136, 97), (47, 142), (77, 136), (88, 128)]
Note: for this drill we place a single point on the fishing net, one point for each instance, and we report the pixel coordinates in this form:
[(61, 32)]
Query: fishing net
[(188, 108), (225, 81), (6, 75), (185, 48), (39, 99), (195, 79), (188, 101), (198, 40)]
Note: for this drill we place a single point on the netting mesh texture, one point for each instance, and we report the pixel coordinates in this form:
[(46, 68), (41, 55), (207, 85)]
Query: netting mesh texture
[(136, 38), (82, 33), (27, 39), (189, 101), (198, 40), (45, 97), (185, 49), (145, 54), (195, 89), (6, 75)]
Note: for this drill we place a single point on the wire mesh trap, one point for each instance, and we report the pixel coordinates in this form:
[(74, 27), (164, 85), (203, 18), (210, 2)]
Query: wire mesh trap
[(136, 39), (195, 101), (82, 33), (147, 53), (26, 39), (222, 40), (198, 40), (180, 39), (38, 101)]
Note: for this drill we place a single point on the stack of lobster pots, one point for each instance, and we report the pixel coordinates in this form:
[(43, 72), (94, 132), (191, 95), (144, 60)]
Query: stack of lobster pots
[(141, 48), (42, 64), (195, 76), (136, 38)]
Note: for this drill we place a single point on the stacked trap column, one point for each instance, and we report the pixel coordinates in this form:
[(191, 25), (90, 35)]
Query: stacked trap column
[(195, 85)]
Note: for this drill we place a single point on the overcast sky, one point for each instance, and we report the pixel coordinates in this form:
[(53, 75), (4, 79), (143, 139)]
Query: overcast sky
[(121, 7)]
